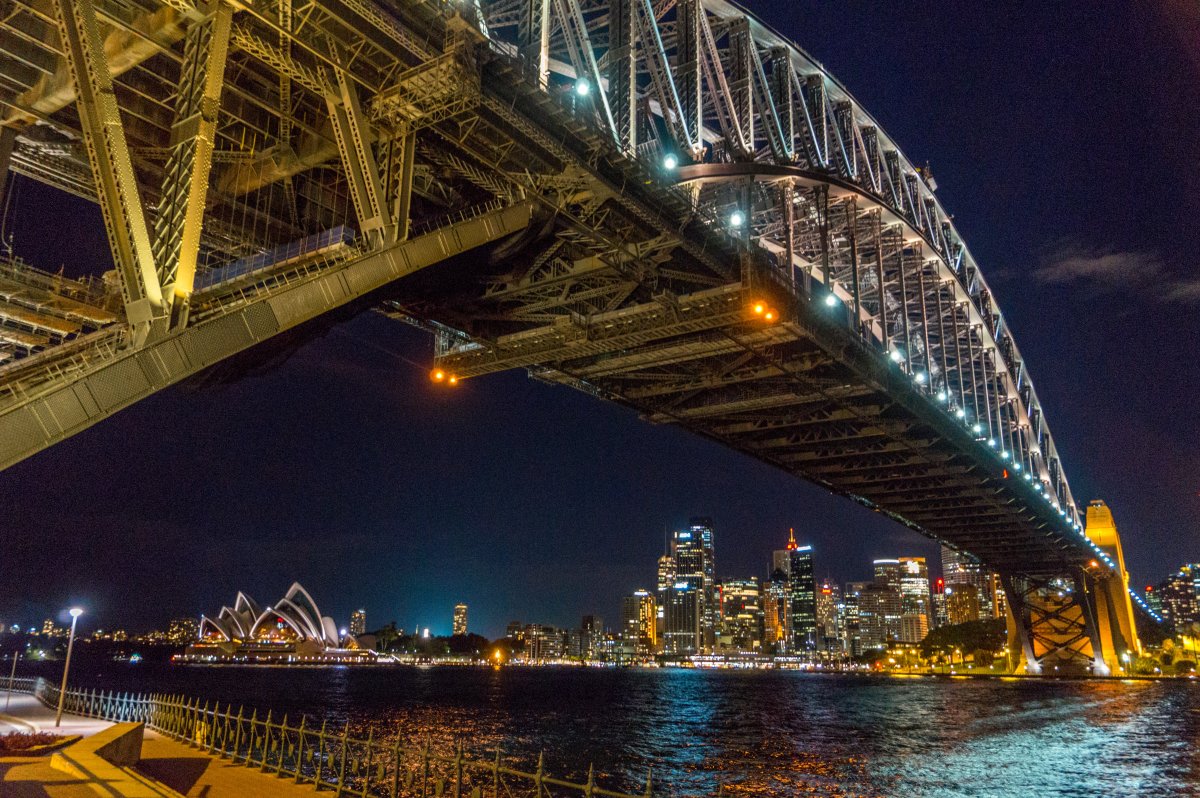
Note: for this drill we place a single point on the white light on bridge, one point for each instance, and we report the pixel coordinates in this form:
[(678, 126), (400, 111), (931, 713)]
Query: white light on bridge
[(582, 87), (978, 428), (919, 377), (992, 442), (960, 413), (896, 356), (943, 396), (737, 219), (670, 161), (1017, 467), (831, 300)]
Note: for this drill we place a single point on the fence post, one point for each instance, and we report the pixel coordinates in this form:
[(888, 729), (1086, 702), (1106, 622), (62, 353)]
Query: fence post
[(537, 777), (237, 736), (496, 774), (425, 769), (321, 755), (396, 768), (342, 767), (648, 788), (283, 731), (300, 747), (266, 744), (367, 770), (458, 770), (590, 789)]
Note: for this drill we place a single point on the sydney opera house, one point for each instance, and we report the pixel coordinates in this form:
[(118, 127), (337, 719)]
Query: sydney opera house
[(290, 631)]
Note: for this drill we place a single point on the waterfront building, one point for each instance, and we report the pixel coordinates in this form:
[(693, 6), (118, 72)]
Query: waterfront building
[(878, 615), (543, 643), (959, 568), (775, 613), (639, 621), (591, 636), (683, 609), (1179, 596), (1154, 600), (742, 622), (48, 629), (999, 599), (914, 599), (694, 553), (183, 631), (888, 573), (796, 563), (829, 597), (962, 603), (851, 622), (358, 622), (291, 630), (460, 619), (940, 618)]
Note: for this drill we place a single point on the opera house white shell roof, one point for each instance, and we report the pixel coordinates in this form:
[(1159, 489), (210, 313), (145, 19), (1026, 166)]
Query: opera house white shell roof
[(296, 614)]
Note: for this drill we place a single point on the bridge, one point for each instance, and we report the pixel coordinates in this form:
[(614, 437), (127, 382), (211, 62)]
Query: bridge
[(663, 203)]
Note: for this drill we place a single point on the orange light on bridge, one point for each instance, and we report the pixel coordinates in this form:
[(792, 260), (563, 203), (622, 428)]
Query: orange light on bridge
[(437, 375), (453, 380), (760, 308), (769, 315)]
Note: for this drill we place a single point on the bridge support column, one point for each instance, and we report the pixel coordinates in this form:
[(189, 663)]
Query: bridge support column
[(1052, 624)]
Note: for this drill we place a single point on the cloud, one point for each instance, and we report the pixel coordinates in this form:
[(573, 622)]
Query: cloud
[(1139, 273)]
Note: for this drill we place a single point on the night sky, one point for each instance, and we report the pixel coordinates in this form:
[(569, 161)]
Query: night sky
[(1065, 144)]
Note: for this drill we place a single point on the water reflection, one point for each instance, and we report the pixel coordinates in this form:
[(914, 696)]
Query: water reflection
[(756, 733)]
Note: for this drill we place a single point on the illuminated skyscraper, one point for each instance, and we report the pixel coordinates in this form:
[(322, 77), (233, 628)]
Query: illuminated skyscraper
[(963, 569), (851, 618), (695, 563), (639, 621), (682, 611), (886, 607), (741, 615), (358, 622), (962, 603), (796, 563), (829, 596), (1179, 596), (591, 637), (460, 619), (776, 617), (914, 599)]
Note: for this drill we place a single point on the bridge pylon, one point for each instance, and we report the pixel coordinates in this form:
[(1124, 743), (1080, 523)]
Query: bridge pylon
[(1079, 620)]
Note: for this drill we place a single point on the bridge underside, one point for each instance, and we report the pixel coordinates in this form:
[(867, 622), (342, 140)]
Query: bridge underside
[(792, 290)]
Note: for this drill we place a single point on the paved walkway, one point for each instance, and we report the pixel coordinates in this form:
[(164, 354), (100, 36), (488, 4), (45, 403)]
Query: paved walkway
[(185, 770)]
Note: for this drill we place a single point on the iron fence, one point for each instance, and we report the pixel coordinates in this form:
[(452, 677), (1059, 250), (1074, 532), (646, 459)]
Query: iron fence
[(324, 755)]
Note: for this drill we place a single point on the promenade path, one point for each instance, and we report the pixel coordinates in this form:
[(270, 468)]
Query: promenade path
[(181, 769)]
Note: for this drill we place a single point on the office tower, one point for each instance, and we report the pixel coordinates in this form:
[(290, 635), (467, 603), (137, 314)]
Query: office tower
[(963, 569), (775, 613), (914, 599), (591, 640), (639, 621), (682, 615), (742, 619), (460, 619), (796, 563), (878, 615), (1179, 596), (888, 574), (940, 618), (849, 620), (999, 599), (666, 579), (829, 597), (962, 603), (695, 561), (358, 622)]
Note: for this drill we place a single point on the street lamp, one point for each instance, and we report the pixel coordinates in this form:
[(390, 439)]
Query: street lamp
[(62, 691)]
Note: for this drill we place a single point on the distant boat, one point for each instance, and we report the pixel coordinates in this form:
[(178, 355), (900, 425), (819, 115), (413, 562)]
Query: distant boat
[(134, 659)]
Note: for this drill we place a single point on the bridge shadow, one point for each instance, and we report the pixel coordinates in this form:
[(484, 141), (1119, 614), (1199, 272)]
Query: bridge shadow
[(179, 773)]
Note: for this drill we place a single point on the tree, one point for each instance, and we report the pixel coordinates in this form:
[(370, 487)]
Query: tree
[(1184, 666), (990, 635)]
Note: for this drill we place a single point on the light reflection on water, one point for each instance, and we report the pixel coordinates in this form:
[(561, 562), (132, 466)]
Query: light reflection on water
[(758, 733)]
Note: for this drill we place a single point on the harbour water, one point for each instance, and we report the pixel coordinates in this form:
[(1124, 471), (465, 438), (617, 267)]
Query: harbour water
[(757, 733)]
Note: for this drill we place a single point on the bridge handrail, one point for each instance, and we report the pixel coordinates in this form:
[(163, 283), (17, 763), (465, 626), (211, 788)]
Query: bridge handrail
[(325, 756)]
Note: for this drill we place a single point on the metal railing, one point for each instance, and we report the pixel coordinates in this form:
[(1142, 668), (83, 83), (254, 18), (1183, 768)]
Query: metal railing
[(326, 756)]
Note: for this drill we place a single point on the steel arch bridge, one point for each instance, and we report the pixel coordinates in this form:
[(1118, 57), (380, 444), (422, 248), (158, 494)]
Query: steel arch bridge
[(661, 202)]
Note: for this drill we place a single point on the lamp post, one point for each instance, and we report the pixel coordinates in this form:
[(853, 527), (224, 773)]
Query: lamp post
[(62, 691), (11, 676)]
